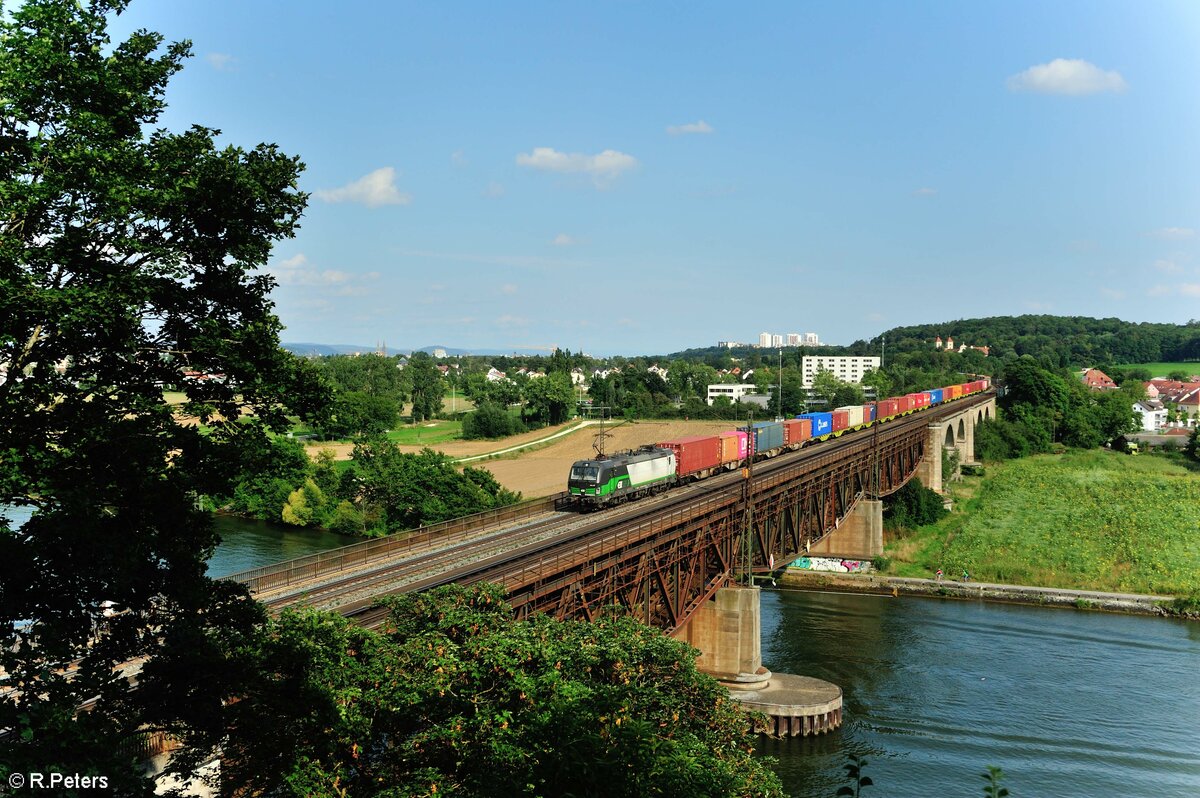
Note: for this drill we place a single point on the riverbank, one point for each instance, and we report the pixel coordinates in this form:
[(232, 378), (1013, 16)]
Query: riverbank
[(881, 584), (1089, 519)]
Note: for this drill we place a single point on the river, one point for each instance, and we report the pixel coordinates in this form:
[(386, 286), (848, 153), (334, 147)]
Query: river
[(1069, 703), (247, 544)]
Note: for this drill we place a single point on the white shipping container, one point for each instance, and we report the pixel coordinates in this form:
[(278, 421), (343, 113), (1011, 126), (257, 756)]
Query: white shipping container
[(651, 470), (855, 415)]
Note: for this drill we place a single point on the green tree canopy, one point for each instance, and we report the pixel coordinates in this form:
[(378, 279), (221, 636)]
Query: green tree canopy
[(128, 254), (454, 698), (426, 386)]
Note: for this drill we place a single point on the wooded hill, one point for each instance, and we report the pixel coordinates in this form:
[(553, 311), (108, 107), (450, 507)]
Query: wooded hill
[(1063, 341)]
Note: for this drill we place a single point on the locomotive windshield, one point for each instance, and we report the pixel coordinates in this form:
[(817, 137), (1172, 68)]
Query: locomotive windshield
[(586, 473)]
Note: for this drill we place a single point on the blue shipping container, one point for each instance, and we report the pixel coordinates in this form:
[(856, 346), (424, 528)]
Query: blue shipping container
[(869, 413), (935, 396), (822, 423), (767, 435)]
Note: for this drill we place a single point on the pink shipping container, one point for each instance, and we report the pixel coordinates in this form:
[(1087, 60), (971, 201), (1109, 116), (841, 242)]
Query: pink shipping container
[(733, 446), (854, 415), (841, 420), (693, 454), (796, 431), (916, 401), (886, 408)]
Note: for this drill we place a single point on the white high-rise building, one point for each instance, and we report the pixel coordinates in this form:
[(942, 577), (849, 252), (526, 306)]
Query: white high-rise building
[(764, 339), (811, 339), (847, 369), (776, 341), (793, 339)]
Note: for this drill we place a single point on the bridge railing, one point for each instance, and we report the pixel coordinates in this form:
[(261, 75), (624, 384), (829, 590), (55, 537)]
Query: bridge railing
[(415, 541)]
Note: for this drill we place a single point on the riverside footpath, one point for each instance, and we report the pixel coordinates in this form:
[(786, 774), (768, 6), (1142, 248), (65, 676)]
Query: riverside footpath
[(1135, 603)]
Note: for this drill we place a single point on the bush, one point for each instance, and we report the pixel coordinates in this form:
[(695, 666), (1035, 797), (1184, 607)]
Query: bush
[(490, 420), (913, 505)]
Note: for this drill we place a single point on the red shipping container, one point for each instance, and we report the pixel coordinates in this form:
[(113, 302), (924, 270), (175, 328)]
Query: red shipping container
[(796, 431), (841, 420), (886, 408), (693, 454), (733, 446), (903, 404), (916, 401)]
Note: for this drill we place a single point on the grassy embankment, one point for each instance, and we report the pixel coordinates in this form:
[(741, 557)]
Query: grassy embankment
[(1085, 519)]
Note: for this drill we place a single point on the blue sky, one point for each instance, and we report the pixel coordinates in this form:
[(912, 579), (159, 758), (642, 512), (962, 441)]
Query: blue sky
[(646, 177)]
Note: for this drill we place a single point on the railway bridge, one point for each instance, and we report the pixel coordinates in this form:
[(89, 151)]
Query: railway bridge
[(662, 559)]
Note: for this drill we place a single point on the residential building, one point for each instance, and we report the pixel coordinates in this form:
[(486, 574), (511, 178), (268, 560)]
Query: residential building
[(495, 375), (764, 339), (733, 390), (1097, 380), (847, 369), (776, 341), (811, 339), (793, 339), (1153, 413)]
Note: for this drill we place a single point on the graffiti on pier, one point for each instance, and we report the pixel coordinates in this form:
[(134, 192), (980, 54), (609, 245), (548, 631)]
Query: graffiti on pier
[(831, 564)]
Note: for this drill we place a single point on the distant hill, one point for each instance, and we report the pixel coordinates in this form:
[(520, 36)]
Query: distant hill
[(321, 350)]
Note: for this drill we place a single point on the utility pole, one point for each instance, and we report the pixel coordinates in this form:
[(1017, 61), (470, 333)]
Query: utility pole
[(779, 394), (748, 489)]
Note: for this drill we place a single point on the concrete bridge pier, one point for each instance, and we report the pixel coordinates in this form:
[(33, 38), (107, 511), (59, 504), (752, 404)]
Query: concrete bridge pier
[(930, 469), (858, 537), (727, 630)]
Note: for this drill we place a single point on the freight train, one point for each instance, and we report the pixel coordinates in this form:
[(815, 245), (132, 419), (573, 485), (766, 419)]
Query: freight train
[(651, 469)]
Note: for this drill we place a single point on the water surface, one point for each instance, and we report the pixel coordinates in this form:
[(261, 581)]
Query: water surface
[(1068, 703)]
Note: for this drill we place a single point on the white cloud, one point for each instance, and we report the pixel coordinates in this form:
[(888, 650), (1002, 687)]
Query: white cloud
[(1174, 233), (690, 128), (375, 189), (1112, 293), (222, 62), (563, 240), (508, 288), (925, 192), (512, 321), (1158, 290), (1067, 76), (1168, 266), (603, 166), (296, 271), (1190, 289), (493, 190), (458, 158), (1033, 304)]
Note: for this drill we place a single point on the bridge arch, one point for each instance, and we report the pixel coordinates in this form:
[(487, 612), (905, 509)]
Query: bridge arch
[(962, 431), (950, 436)]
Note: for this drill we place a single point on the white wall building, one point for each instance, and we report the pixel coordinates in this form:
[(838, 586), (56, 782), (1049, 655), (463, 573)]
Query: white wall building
[(776, 341), (847, 369), (1154, 415), (811, 339), (734, 390), (794, 339), (764, 339)]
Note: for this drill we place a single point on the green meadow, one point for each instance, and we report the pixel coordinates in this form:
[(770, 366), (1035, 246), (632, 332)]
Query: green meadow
[(1163, 369), (1083, 519)]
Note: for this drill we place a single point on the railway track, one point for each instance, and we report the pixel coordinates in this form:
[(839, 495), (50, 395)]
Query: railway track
[(557, 534)]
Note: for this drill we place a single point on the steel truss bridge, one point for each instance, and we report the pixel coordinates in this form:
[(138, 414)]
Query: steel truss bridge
[(658, 559)]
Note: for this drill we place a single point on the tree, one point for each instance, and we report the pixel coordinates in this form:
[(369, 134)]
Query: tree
[(426, 385), (398, 491), (127, 255), (360, 413), (549, 399), (490, 420), (454, 698)]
